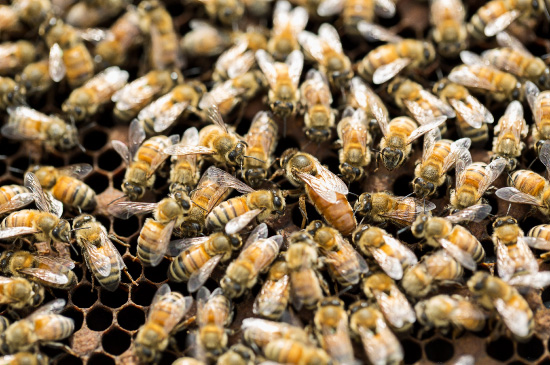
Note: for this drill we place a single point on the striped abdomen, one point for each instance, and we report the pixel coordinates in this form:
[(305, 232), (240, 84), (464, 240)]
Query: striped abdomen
[(162, 313), (528, 182), (542, 115), (306, 288), (79, 64), (467, 242), (187, 262), (485, 15), (9, 191), (149, 240), (344, 268), (52, 327), (474, 174), (151, 149), (111, 281), (74, 193), (540, 231), (274, 293), (432, 168), (223, 213), (376, 58), (477, 135), (293, 352), (22, 218), (339, 214), (447, 269)]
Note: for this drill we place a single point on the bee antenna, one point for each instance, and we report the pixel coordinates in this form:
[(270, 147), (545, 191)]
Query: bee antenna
[(509, 206), (254, 158), (79, 228), (403, 230), (374, 150), (198, 205), (15, 169), (439, 73), (349, 192), (120, 197)]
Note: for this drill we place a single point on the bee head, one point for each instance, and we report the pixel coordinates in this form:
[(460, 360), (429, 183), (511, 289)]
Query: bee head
[(419, 225), (282, 109), (503, 221), (133, 191), (318, 135), (255, 176), (351, 173), (146, 354), (231, 288), (81, 220), (363, 204), (62, 231), (428, 52), (423, 188), (236, 155), (279, 202), (392, 158)]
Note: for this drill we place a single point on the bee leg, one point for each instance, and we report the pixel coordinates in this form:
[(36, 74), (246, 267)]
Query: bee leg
[(62, 347), (118, 240), (490, 266), (43, 248), (545, 256), (198, 113), (302, 206), (185, 324), (276, 174)]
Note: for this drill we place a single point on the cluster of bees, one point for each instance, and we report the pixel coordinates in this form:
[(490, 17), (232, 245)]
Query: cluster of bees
[(224, 203)]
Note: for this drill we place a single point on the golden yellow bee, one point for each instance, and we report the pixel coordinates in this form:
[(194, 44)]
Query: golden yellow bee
[(528, 187), (8, 192), (233, 62), (295, 352), (362, 96), (165, 314), (540, 106), (237, 355), (90, 14), (354, 11), (11, 93), (228, 12), (35, 78), (273, 298), (204, 40), (214, 314), (449, 28), (539, 237), (287, 24), (509, 132), (379, 342), (355, 139), (15, 56), (31, 13), (260, 332), (319, 116), (25, 358), (18, 292), (185, 170)]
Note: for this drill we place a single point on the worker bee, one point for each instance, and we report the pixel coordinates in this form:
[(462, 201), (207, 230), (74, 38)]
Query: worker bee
[(539, 238), (319, 116), (18, 192), (331, 327), (204, 40), (65, 184), (457, 240), (136, 95), (391, 301), (345, 265), (379, 342), (285, 351), (259, 332), (25, 123), (237, 354), (256, 256), (23, 11), (494, 293), (35, 78), (85, 101), (509, 131), (88, 14), (326, 49), (287, 24), (444, 311), (214, 313), (185, 170), (165, 314), (391, 255), (233, 62), (432, 270), (142, 158), (226, 12), (11, 93), (384, 207), (362, 96), (355, 139), (283, 79), (354, 11), (18, 293), (449, 28), (42, 327), (384, 62), (15, 56), (24, 358), (262, 141), (273, 298), (324, 189), (539, 101)]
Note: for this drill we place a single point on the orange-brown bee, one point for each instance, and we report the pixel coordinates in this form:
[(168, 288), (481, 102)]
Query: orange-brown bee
[(449, 32), (540, 106), (509, 132), (319, 116), (287, 24), (214, 314)]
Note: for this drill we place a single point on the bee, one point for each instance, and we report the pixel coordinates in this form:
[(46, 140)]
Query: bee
[(164, 51), (379, 342), (35, 78), (237, 355), (287, 24), (294, 352), (86, 100), (214, 313), (233, 62), (187, 361), (473, 179), (23, 11), (496, 15), (68, 54), (539, 103), (44, 326), (142, 157), (260, 332), (354, 11), (272, 299), (539, 238), (324, 189), (4, 323), (391, 255), (204, 40), (124, 34), (226, 12), (384, 207), (65, 184), (362, 96), (434, 269), (25, 123), (326, 49), (262, 141), (457, 240), (319, 117), (283, 79), (509, 131), (384, 62), (185, 170), (494, 293), (391, 301), (19, 293), (15, 56), (88, 14), (165, 314), (256, 257), (8, 192), (24, 358), (11, 93), (449, 28), (345, 265)]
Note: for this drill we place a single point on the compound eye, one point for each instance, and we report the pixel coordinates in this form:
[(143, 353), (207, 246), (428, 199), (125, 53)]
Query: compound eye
[(138, 190)]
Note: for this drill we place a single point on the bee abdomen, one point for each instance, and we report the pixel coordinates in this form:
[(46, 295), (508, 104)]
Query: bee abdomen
[(223, 213), (149, 238)]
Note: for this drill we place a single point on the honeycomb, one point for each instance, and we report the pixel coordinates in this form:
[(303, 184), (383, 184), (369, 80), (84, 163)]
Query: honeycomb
[(106, 322)]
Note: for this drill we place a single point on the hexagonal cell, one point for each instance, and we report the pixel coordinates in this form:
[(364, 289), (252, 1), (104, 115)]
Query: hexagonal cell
[(83, 296), (19, 166), (413, 351), (116, 341), (439, 350), (100, 359), (76, 315), (116, 298), (130, 318), (81, 158), (109, 160), (127, 227), (532, 349), (501, 349), (143, 294), (157, 274), (94, 140), (97, 181), (9, 147), (69, 360), (99, 318)]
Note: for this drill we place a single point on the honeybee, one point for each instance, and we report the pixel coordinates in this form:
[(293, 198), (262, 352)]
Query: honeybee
[(324, 189), (444, 312), (165, 314), (25, 123), (434, 269), (262, 141), (379, 342), (43, 327), (86, 100), (15, 56), (287, 24), (46, 270), (294, 352), (509, 131), (362, 96), (528, 187), (384, 207), (11, 93), (319, 116), (142, 158), (214, 313), (539, 103), (185, 170), (355, 139), (326, 49), (344, 264), (188, 361), (65, 184), (457, 240), (87, 14), (19, 293), (386, 61), (494, 293), (24, 358), (29, 12), (233, 62), (68, 54), (136, 95), (391, 301), (539, 237), (35, 78), (259, 332), (283, 79), (331, 327), (237, 355), (227, 12), (204, 40), (354, 11), (256, 256), (10, 192), (449, 28), (390, 254), (273, 298)]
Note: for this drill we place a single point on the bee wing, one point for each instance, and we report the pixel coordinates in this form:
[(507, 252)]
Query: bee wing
[(241, 65), (167, 118), (157, 252), (348, 252), (384, 8), (538, 280), (122, 150), (475, 213), (17, 231), (281, 15), (538, 243), (471, 58), (458, 148), (408, 215), (163, 290), (97, 259), (184, 150), (107, 82), (136, 136), (505, 264), (41, 200), (56, 262), (320, 91), (295, 62), (190, 137), (228, 57), (464, 76), (133, 93), (298, 19), (330, 36), (513, 195), (236, 224), (46, 276), (375, 32), (78, 171), (505, 39), (463, 257), (391, 265), (544, 155), (262, 124), (330, 7), (226, 180), (267, 65), (388, 71), (359, 126), (404, 251), (470, 116), (258, 233), (463, 161), (395, 307), (56, 66), (177, 246), (214, 112), (276, 291), (126, 209), (530, 262), (516, 319), (17, 202), (53, 307), (492, 171), (438, 103), (336, 336), (429, 143), (425, 128), (320, 186), (221, 94), (199, 277), (501, 23), (312, 45), (531, 94)]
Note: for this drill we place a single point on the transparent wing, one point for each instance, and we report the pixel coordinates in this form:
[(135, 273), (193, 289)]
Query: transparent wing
[(136, 92), (122, 150), (42, 202), (516, 319), (136, 136), (356, 130), (386, 72), (409, 215), (295, 62), (531, 94), (226, 180), (177, 246), (530, 263), (330, 36), (463, 75), (475, 213), (505, 39), (395, 307), (375, 32), (158, 251), (463, 161), (501, 23), (242, 65), (458, 148), (538, 280), (471, 58), (470, 116), (163, 290), (271, 298), (258, 233), (199, 277), (312, 45), (391, 265), (348, 252), (46, 276), (505, 264), (429, 143), (544, 155), (17, 202), (98, 260), (235, 225), (214, 112), (17, 231), (267, 65), (492, 171), (463, 257), (538, 243), (330, 7), (126, 209), (298, 19), (281, 15), (408, 257), (78, 171), (190, 137), (168, 117), (438, 103), (56, 66), (384, 8), (184, 150), (53, 307), (228, 57), (513, 195), (425, 128), (56, 263)]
